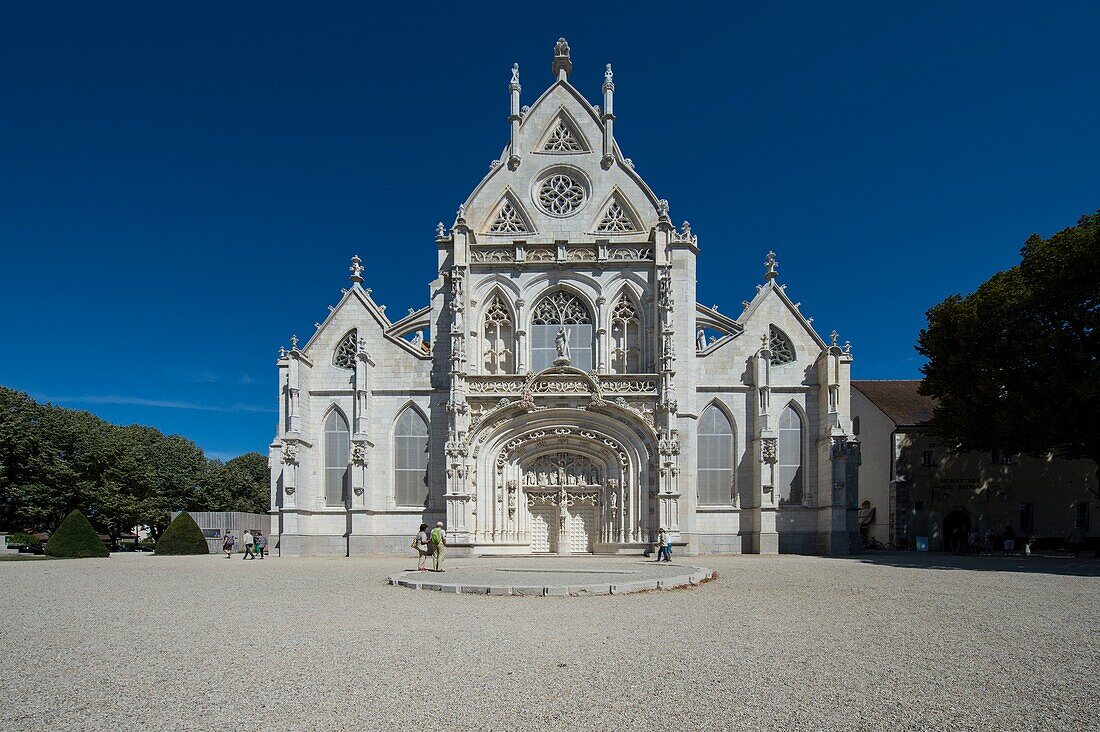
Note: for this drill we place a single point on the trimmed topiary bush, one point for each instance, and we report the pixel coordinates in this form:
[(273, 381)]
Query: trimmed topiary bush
[(76, 539), (183, 536)]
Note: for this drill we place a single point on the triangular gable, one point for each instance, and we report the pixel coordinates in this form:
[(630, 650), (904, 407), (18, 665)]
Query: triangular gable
[(563, 136), (509, 217), (616, 216), (770, 288)]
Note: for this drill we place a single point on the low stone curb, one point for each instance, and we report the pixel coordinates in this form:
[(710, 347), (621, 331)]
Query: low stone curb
[(693, 576)]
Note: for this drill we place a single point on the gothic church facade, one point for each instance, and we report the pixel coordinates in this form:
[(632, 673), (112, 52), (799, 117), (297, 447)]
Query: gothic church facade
[(562, 391)]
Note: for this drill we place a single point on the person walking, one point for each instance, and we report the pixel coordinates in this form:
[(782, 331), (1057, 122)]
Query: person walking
[(228, 542), (248, 539), (987, 543), (261, 544), (438, 539), (1076, 540), (1010, 539), (664, 546), (420, 544)]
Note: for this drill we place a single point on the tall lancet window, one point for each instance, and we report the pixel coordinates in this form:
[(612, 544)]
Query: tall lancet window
[(554, 312), (791, 482), (626, 342), (498, 335), (410, 460), (715, 458), (337, 459)]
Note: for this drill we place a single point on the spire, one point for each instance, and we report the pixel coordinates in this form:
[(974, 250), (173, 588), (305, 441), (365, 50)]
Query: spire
[(608, 116), (771, 267), (356, 269), (514, 117), (562, 65)]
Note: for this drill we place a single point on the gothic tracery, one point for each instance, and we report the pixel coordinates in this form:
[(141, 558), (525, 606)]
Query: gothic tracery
[(344, 355)]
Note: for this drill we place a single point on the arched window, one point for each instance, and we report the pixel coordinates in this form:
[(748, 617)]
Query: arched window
[(781, 347), (410, 459), (791, 487), (337, 458), (715, 458), (626, 342), (344, 355), (555, 311), (497, 336)]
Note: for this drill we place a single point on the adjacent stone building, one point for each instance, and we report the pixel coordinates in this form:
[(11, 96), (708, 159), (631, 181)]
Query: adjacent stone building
[(562, 391), (918, 487)]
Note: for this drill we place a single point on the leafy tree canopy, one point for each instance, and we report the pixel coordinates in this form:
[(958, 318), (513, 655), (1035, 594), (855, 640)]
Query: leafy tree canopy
[(1016, 364), (54, 460)]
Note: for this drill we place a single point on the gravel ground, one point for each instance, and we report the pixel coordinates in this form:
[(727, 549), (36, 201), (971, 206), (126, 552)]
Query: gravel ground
[(200, 643)]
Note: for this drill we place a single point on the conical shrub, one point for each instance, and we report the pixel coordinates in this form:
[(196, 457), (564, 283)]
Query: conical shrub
[(183, 536), (76, 539)]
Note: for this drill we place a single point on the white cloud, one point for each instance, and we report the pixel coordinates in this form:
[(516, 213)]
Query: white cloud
[(155, 403)]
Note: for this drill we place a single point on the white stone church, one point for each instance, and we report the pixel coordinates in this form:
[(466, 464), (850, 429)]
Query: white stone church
[(562, 391)]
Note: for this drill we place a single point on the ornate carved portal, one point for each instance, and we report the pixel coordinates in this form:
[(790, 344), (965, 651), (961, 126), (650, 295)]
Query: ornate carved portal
[(558, 492), (565, 499)]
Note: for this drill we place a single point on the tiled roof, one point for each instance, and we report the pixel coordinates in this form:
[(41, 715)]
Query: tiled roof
[(898, 400)]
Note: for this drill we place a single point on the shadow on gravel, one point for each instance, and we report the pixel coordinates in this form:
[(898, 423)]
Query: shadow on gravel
[(1034, 564)]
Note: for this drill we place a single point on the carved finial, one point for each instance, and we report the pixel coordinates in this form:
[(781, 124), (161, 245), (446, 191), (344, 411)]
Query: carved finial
[(440, 230), (317, 326), (294, 343), (332, 308), (411, 311), (356, 269), (282, 352), (460, 215), (745, 303), (764, 341), (515, 74), (771, 267), (608, 84), (714, 308), (685, 228), (848, 348), (562, 66), (832, 337), (662, 208)]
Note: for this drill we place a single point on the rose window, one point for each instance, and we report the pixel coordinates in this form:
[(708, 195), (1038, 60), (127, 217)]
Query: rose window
[(560, 195)]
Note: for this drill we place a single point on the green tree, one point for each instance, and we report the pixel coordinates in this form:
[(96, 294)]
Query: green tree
[(1016, 364), (241, 484), (183, 536), (76, 539)]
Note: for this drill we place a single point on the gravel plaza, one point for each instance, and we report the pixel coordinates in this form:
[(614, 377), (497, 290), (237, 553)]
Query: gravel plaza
[(894, 641)]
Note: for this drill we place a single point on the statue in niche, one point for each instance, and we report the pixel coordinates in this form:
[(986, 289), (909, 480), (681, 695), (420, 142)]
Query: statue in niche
[(561, 343), (614, 499), (542, 478), (529, 478), (595, 478), (572, 479), (553, 478)]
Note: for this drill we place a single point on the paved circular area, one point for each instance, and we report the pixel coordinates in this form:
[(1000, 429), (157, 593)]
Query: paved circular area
[(554, 577)]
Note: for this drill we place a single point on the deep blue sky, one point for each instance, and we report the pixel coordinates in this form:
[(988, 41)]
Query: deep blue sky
[(182, 184)]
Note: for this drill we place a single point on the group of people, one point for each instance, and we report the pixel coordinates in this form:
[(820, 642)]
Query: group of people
[(255, 545), (965, 541), (430, 544)]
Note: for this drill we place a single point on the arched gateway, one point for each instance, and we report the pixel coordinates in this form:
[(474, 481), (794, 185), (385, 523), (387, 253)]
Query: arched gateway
[(563, 467), (552, 396)]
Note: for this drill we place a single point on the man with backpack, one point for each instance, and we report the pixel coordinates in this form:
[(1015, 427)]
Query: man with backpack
[(438, 541)]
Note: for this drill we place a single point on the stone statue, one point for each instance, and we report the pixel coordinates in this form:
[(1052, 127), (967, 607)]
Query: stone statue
[(561, 343), (418, 339), (529, 478), (700, 339)]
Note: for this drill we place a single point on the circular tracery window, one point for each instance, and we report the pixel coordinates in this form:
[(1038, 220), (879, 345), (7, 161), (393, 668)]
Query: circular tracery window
[(560, 195)]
